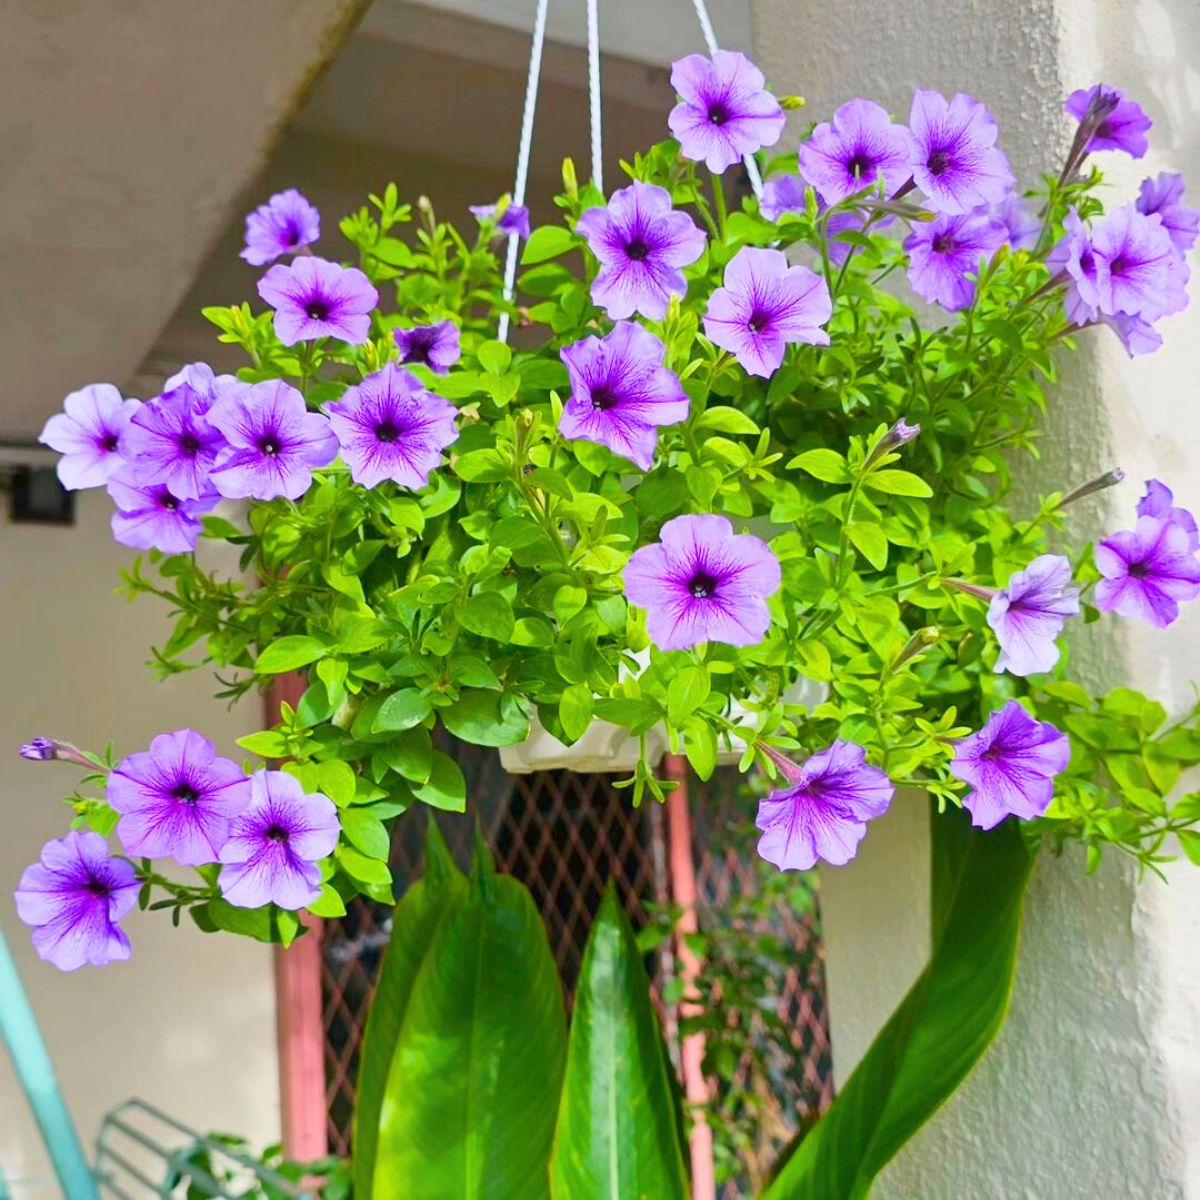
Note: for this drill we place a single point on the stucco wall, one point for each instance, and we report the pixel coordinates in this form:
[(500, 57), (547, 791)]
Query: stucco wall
[(1093, 1088)]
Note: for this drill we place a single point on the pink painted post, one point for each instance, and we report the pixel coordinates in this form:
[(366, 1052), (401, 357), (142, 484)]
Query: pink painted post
[(683, 892), (300, 1028)]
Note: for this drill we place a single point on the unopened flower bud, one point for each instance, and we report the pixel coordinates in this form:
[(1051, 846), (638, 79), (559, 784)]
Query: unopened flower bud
[(1107, 480), (898, 435), (920, 641), (972, 589), (44, 749), (790, 102)]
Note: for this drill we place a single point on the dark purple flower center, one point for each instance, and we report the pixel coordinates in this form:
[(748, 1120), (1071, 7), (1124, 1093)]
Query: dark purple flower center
[(386, 431), (317, 309), (943, 243), (97, 887), (718, 114), (167, 501), (420, 342), (702, 585), (637, 250), (269, 445), (604, 398), (758, 321), (939, 162), (860, 164), (290, 234), (109, 442), (276, 833), (189, 443), (1087, 264), (185, 793), (1138, 570), (1119, 265)]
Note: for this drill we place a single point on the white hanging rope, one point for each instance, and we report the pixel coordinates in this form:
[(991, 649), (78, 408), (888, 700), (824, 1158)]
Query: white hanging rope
[(710, 40), (593, 46), (518, 192)]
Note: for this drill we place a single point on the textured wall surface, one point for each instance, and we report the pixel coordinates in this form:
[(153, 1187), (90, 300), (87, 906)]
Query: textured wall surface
[(1093, 1088)]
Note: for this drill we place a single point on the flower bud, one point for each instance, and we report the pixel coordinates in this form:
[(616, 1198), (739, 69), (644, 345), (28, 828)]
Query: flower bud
[(1107, 480), (44, 749)]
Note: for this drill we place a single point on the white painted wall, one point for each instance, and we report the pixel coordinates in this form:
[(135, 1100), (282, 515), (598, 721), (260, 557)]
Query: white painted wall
[(1093, 1088)]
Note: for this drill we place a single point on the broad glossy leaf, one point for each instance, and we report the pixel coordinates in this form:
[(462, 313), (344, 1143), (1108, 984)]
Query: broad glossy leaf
[(475, 1081), (617, 1136), (941, 1028), (414, 923)]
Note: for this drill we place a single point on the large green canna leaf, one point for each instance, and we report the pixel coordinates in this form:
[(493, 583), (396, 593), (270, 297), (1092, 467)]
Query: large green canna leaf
[(414, 924), (475, 1081), (617, 1137), (941, 1028)]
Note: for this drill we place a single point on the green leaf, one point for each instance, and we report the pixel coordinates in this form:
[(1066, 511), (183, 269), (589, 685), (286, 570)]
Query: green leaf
[(367, 832), (575, 710), (688, 690), (700, 746), (546, 242), (617, 1134), (402, 710), (489, 615), (446, 788), (870, 541), (941, 1028), (725, 420), (826, 465), (485, 718), (471, 1099), (266, 744), (897, 483), (494, 357), (414, 924), (288, 654)]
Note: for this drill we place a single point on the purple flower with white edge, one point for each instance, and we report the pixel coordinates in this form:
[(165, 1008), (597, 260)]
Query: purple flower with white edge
[(822, 809), (855, 150), (1010, 764), (1115, 123), (171, 442), (945, 252), (703, 583), (390, 427), (150, 516), (274, 442), (1148, 571), (313, 298), (435, 346), (642, 243), (284, 225), (273, 849), (74, 898), (621, 392), (1140, 272), (1029, 613), (956, 162), (90, 434), (1163, 195), (764, 305), (1159, 501), (783, 194), (178, 799), (725, 111), (1019, 220), (514, 218)]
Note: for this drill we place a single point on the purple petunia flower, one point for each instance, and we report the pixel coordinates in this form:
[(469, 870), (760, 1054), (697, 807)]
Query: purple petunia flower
[(283, 225), (90, 434), (177, 799), (956, 162), (435, 346), (171, 442), (1029, 612), (641, 243), (945, 252), (764, 305), (313, 298), (621, 392), (1010, 764), (725, 111), (274, 846), (514, 218), (74, 898), (150, 516), (1020, 222), (1159, 501), (1164, 195), (703, 583), (1147, 571), (783, 194), (390, 427), (1115, 123), (823, 808), (273, 442), (1075, 256), (1139, 271), (855, 150), (41, 749), (1137, 336)]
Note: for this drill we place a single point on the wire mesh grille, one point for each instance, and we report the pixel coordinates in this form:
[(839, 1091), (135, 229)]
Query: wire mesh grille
[(564, 836)]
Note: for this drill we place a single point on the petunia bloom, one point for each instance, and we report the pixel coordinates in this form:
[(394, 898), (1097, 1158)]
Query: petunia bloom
[(390, 427), (90, 434), (783, 194), (313, 298), (272, 853), (1074, 259), (1010, 764), (1136, 335), (514, 218), (1163, 195), (1140, 273), (642, 243), (1029, 612), (1021, 223), (285, 224), (435, 346), (170, 442), (764, 305), (150, 516), (725, 111), (178, 799), (823, 808), (1148, 571), (855, 150), (1115, 123), (703, 583), (1159, 501), (621, 392), (944, 253), (956, 162), (74, 897), (274, 442)]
